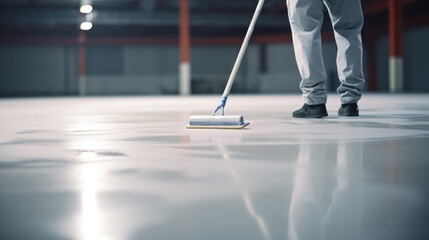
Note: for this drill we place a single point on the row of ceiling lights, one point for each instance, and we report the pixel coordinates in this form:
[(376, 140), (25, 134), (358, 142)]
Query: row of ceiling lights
[(86, 8)]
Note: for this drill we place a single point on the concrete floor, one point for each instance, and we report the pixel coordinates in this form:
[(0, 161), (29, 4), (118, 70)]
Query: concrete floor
[(126, 168)]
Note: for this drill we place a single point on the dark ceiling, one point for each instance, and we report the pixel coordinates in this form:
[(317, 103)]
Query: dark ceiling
[(155, 18)]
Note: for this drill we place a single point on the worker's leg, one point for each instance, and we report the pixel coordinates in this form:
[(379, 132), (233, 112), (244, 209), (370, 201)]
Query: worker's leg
[(306, 18), (347, 21)]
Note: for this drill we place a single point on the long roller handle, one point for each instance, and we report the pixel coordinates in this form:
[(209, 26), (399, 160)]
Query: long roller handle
[(240, 57)]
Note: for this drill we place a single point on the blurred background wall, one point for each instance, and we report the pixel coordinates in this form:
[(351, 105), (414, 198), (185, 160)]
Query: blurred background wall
[(46, 63), (120, 69), (416, 61)]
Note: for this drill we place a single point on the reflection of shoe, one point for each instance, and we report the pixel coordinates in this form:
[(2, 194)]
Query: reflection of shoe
[(348, 110), (311, 111)]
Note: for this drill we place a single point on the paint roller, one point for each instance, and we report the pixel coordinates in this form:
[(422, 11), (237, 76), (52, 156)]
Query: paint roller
[(228, 122)]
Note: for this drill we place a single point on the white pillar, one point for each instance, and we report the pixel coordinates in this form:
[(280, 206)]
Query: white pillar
[(396, 74), (396, 81), (82, 85), (185, 49), (185, 78), (82, 63)]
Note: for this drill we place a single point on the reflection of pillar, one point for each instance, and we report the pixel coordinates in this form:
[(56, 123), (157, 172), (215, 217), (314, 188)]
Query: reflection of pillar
[(91, 218), (185, 46), (396, 81), (81, 64)]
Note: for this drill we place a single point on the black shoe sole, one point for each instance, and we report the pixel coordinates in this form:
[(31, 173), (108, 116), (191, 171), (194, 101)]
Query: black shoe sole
[(349, 115), (312, 116)]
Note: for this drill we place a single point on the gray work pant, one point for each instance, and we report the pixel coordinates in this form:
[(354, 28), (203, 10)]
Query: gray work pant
[(306, 18)]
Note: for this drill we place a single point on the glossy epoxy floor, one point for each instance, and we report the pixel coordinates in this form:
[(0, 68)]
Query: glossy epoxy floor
[(126, 168)]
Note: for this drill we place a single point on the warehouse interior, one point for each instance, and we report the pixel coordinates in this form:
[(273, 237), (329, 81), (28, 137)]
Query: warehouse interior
[(95, 97)]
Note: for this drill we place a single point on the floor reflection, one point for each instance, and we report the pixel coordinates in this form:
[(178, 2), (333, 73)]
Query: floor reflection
[(327, 205), (88, 139), (113, 168), (246, 197), (90, 221)]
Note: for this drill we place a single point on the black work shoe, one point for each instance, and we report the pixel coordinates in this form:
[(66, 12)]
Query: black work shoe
[(348, 110), (311, 111)]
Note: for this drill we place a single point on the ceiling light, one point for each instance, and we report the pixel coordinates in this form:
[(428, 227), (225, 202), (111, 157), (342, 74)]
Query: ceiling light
[(86, 8), (86, 26)]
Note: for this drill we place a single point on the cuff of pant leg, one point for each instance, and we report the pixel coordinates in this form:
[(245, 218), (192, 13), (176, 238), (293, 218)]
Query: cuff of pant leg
[(315, 101), (349, 100)]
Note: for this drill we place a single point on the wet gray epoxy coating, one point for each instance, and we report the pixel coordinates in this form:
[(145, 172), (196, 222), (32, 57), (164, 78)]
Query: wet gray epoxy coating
[(126, 168)]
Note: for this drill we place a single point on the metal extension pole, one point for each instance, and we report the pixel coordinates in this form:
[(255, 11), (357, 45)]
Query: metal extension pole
[(240, 57)]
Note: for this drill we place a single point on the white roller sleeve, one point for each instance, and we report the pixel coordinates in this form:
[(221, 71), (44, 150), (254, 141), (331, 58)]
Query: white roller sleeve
[(234, 120)]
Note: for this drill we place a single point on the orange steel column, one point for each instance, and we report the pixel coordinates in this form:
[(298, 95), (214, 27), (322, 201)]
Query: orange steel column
[(82, 63), (396, 81), (185, 49)]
